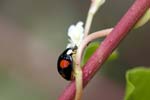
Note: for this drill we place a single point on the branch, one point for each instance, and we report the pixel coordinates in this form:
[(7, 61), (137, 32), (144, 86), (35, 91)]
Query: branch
[(108, 45)]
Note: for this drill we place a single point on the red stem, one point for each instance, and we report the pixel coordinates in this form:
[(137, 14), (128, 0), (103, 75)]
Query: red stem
[(108, 45)]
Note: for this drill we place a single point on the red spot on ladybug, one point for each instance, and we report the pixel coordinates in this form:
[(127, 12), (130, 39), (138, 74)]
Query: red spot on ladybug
[(64, 63)]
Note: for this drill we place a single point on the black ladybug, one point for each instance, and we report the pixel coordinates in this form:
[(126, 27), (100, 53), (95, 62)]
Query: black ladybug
[(65, 64)]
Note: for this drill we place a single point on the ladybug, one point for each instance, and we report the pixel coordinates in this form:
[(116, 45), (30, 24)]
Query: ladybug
[(65, 64)]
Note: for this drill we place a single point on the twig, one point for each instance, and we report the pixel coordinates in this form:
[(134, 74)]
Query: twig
[(77, 68), (78, 73), (88, 39)]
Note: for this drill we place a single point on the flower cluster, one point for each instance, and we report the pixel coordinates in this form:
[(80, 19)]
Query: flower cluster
[(75, 33)]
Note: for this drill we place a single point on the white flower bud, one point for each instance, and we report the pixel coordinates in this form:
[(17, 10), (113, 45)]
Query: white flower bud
[(75, 33)]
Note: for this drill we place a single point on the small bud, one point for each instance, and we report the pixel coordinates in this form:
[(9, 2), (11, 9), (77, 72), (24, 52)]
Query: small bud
[(75, 33), (95, 5)]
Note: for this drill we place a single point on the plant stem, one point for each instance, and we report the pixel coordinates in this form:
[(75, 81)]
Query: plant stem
[(77, 69), (108, 45), (88, 23), (89, 39)]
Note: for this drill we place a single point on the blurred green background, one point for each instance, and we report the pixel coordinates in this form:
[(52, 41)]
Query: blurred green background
[(34, 32)]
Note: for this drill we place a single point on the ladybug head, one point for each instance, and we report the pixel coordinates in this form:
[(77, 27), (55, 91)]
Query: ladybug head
[(68, 51)]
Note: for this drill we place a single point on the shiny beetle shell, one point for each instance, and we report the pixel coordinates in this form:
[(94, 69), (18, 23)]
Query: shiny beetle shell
[(65, 64)]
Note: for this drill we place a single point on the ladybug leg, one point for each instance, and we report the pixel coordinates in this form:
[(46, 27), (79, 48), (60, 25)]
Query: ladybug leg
[(74, 53)]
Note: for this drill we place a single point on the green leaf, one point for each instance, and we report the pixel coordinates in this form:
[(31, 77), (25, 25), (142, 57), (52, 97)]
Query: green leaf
[(113, 56), (89, 51), (92, 48), (138, 84), (145, 18)]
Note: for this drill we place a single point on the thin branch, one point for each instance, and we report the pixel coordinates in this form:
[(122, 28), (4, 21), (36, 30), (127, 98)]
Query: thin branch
[(88, 23), (77, 69), (108, 45), (88, 39)]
